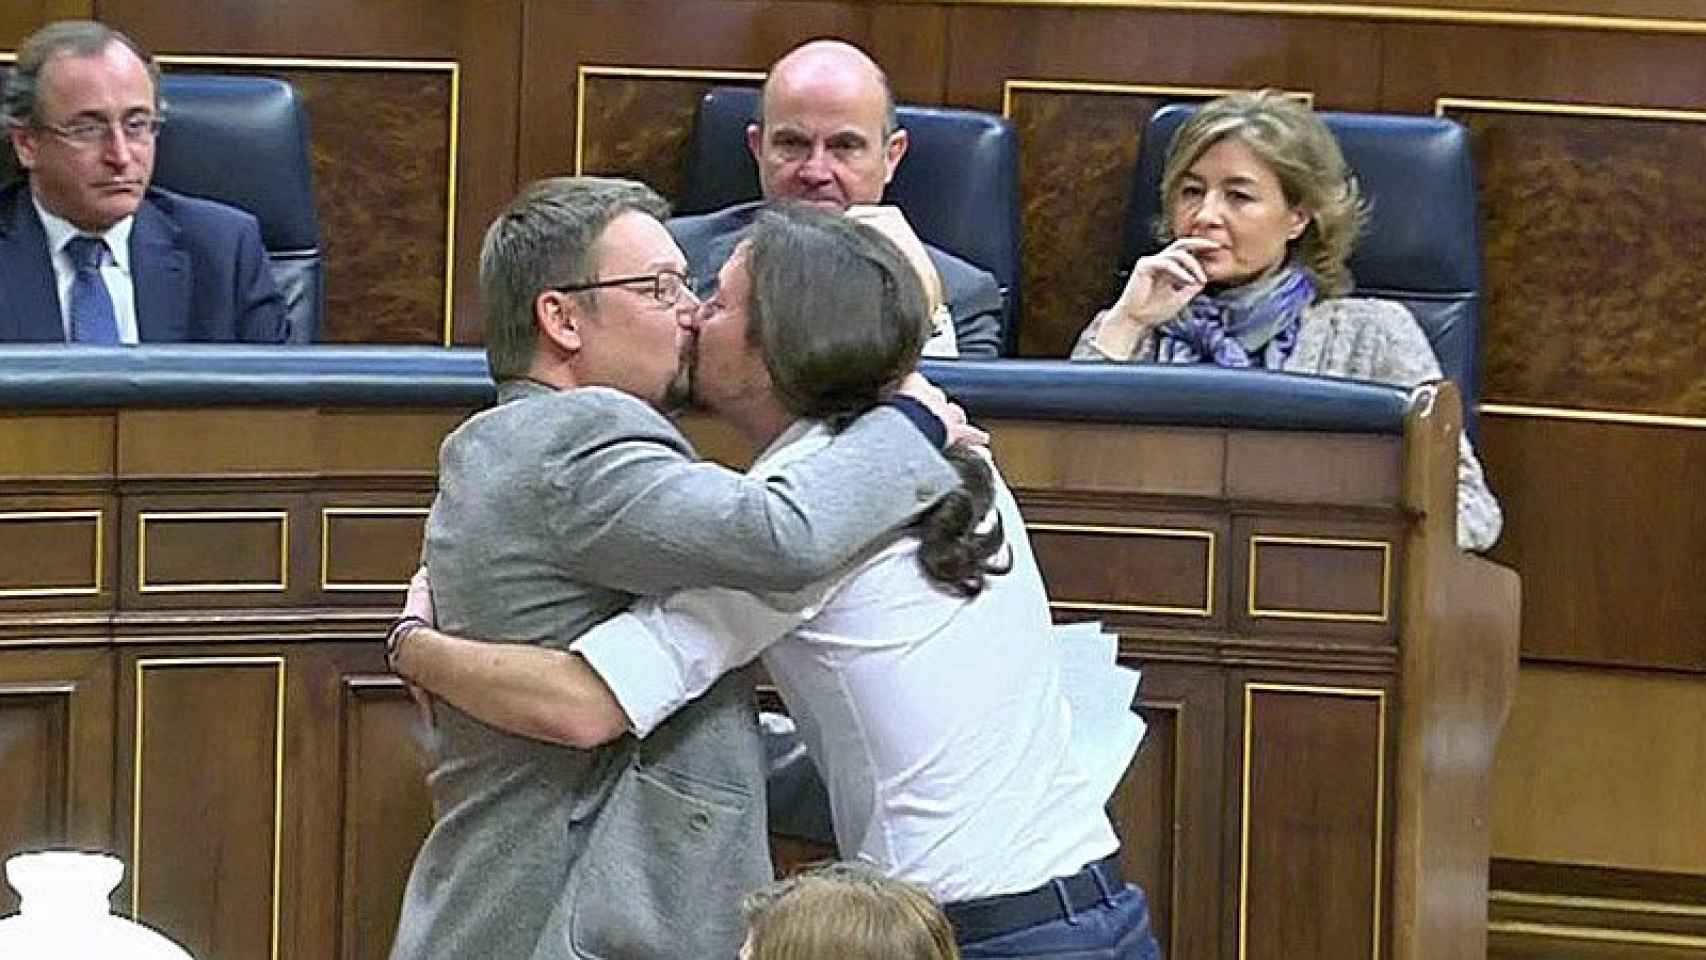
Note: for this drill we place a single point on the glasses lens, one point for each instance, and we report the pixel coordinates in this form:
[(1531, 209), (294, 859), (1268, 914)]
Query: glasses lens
[(668, 289)]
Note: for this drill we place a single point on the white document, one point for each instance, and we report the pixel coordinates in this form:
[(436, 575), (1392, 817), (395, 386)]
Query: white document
[(1106, 731)]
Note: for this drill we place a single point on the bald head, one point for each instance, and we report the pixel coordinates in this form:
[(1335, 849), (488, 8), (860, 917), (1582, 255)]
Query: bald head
[(826, 134)]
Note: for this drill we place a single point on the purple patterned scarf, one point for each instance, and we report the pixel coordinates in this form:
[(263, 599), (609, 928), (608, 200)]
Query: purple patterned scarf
[(1254, 325)]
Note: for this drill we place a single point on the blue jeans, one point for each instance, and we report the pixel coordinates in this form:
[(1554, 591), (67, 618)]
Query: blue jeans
[(1115, 929)]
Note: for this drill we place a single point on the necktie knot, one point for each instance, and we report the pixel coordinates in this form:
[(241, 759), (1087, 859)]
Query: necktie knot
[(86, 253)]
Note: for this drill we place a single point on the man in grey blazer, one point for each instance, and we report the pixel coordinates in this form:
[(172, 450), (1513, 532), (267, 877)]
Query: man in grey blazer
[(557, 508), (827, 136)]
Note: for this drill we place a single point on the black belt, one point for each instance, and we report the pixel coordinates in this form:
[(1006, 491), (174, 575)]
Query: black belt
[(1057, 899)]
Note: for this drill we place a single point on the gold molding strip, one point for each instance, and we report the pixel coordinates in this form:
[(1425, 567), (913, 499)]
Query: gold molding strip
[(143, 663), (326, 515), (99, 516), (1608, 904), (1559, 931), (452, 67), (143, 518), (1350, 11), (585, 71), (1177, 708), (1363, 693), (1559, 108), (1592, 416), (1178, 533), (1334, 616), (1142, 89)]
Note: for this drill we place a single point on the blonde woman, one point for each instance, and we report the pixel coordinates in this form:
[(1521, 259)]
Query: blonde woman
[(1260, 211)]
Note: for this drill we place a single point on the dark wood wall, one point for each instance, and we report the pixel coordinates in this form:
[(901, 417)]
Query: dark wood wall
[(1589, 125)]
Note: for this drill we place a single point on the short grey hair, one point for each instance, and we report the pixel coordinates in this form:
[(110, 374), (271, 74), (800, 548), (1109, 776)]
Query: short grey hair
[(21, 105), (545, 238)]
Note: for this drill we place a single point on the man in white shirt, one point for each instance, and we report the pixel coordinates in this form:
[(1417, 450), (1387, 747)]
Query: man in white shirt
[(923, 676), (89, 252)]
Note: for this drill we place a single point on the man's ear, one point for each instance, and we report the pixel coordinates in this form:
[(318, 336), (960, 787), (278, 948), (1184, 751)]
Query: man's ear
[(893, 150), (23, 144), (558, 317), (755, 141)]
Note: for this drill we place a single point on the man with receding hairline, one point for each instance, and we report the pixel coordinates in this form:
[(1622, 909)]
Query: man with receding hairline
[(826, 135)]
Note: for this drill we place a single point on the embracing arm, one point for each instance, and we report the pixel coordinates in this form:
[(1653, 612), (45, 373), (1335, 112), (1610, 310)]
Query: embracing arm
[(526, 690), (632, 513)]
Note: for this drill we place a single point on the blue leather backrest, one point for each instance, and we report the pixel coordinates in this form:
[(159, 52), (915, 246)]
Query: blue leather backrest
[(958, 183), (244, 141), (1422, 247), (201, 374)]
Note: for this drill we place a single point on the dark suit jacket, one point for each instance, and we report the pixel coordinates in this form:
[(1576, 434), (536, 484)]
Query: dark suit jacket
[(974, 298), (199, 270)]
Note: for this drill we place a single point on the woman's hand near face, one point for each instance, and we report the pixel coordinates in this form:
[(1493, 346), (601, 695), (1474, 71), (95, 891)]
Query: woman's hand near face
[(1159, 286)]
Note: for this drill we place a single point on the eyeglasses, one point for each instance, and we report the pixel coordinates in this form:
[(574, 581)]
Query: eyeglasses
[(137, 129), (668, 286)]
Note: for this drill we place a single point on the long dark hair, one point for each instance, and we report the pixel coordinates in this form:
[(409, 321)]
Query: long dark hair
[(840, 318)]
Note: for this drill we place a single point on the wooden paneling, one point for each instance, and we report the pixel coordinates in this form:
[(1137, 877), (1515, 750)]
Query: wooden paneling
[(190, 443), (1314, 805), (382, 442), (654, 151), (1146, 565), (1608, 537), (369, 548), (1567, 325), (60, 446), (381, 140), (21, 18), (191, 551), (1625, 793), (1076, 155), (56, 748), (711, 35), (1098, 457), (1167, 809), (384, 236), (59, 551), (1344, 469), (386, 811), (206, 787), (1289, 578)]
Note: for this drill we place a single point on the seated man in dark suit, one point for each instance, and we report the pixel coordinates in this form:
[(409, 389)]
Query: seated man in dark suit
[(826, 135), (89, 253)]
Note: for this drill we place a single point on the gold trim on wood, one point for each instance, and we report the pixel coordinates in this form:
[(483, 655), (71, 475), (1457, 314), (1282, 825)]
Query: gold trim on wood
[(1334, 616), (1559, 931), (1557, 108), (1140, 89), (1349, 11), (1592, 416), (283, 518), (8, 593), (1177, 708), (1362, 693), (585, 71), (1607, 904), (144, 663), (326, 515), (1205, 610), (452, 67)]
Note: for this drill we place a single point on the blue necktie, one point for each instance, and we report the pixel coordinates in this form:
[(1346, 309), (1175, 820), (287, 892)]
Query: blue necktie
[(92, 316)]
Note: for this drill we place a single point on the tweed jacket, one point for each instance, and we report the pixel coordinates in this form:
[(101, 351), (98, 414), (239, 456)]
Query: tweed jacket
[(555, 510), (1364, 339), (973, 297)]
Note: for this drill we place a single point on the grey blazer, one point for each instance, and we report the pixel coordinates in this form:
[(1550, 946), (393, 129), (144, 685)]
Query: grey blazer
[(555, 509), (974, 298)]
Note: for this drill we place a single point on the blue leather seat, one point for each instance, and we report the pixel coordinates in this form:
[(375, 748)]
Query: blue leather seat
[(1422, 247), (244, 141), (958, 183)]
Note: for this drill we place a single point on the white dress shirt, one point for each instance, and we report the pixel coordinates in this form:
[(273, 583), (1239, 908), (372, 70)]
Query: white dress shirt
[(937, 721), (115, 269)]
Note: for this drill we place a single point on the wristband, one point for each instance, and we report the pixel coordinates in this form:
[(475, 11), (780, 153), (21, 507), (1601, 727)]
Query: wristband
[(394, 636)]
